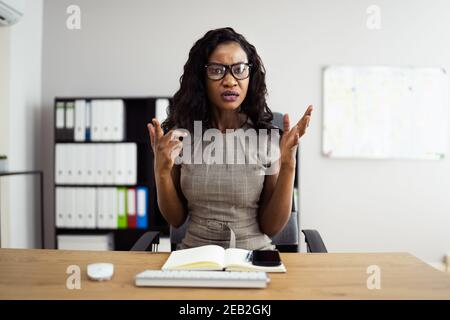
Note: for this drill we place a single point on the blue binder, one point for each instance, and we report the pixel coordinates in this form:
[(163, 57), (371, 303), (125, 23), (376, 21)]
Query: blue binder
[(88, 120), (142, 207)]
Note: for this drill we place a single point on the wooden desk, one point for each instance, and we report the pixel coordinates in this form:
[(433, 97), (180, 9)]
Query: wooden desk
[(41, 274)]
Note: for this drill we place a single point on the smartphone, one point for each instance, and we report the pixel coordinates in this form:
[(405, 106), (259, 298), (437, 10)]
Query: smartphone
[(266, 258)]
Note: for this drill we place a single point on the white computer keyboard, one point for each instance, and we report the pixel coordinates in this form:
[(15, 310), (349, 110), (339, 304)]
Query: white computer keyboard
[(213, 279)]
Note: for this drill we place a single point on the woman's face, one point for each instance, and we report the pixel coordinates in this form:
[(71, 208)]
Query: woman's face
[(227, 93)]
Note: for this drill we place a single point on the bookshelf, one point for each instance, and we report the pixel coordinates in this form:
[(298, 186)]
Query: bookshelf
[(138, 111)]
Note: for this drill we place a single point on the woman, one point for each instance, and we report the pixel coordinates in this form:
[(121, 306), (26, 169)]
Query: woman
[(223, 87)]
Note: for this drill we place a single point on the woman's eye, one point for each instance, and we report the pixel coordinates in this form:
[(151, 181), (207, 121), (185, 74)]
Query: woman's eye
[(217, 70), (239, 70)]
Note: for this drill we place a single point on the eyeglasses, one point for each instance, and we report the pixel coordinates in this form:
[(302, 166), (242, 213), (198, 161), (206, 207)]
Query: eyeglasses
[(217, 71)]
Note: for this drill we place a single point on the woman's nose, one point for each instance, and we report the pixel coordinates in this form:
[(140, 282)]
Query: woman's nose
[(229, 80)]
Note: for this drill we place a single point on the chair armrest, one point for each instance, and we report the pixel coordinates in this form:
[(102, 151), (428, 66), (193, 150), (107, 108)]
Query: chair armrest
[(314, 241), (177, 234), (147, 242), (289, 234)]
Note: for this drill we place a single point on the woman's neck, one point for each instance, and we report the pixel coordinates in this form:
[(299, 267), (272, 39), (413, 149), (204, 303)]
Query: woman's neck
[(228, 119)]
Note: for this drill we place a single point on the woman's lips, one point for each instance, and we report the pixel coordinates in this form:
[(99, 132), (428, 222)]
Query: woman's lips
[(229, 96)]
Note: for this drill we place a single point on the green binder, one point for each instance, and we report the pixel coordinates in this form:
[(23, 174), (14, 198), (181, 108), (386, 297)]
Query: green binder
[(122, 208)]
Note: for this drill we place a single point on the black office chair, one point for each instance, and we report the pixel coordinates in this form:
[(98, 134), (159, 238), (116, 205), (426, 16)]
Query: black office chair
[(313, 240), (149, 241), (285, 241)]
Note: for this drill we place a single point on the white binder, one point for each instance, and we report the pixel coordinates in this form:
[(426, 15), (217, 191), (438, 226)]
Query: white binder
[(79, 163), (90, 208), (60, 170), (102, 208), (67, 211), (60, 110), (99, 154), (161, 106), (80, 120), (70, 163), (112, 204), (79, 207), (89, 163), (107, 120), (59, 208), (96, 120), (99, 242), (108, 163), (69, 204), (117, 116), (106, 109), (70, 115), (120, 163), (131, 163)]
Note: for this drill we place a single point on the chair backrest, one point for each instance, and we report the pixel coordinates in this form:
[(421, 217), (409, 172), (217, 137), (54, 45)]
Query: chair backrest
[(287, 240)]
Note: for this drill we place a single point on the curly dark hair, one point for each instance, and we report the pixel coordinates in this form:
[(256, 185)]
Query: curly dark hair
[(190, 103)]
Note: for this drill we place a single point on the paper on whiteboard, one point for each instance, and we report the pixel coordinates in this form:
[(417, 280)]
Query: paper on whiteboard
[(385, 112)]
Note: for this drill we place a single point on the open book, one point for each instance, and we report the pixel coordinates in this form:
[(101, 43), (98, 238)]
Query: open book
[(213, 257)]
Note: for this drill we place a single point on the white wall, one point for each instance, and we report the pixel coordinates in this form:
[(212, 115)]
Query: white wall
[(4, 132), (4, 88), (22, 127), (139, 48)]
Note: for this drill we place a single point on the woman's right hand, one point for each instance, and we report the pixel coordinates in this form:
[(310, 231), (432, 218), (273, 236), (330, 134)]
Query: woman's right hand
[(166, 147)]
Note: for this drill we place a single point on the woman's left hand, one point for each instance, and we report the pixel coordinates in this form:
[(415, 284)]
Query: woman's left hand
[(290, 139)]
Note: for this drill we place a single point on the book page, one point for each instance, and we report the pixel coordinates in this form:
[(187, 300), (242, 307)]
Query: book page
[(209, 257), (235, 257)]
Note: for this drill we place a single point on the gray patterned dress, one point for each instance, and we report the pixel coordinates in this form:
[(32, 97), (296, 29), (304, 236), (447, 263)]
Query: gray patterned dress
[(222, 204)]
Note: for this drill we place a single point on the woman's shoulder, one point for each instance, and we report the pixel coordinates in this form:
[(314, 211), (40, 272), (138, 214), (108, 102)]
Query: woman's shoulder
[(262, 126)]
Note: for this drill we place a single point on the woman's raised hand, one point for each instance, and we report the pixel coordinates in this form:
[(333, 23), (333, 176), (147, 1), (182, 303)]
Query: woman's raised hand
[(290, 139), (166, 147)]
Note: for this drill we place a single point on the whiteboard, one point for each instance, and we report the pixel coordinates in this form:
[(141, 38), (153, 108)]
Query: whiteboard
[(385, 112)]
